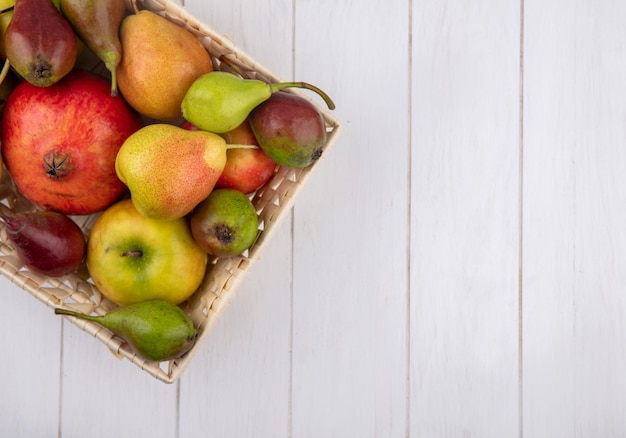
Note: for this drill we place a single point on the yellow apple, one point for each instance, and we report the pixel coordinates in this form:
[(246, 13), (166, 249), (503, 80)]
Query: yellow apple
[(133, 258)]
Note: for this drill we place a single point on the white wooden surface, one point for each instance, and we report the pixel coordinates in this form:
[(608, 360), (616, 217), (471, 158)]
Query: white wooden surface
[(455, 268)]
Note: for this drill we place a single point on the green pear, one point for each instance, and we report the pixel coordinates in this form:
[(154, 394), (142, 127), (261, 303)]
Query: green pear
[(225, 224), (156, 329), (220, 101), (169, 170)]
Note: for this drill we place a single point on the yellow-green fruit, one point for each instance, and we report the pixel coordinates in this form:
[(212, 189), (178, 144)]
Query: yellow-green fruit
[(169, 170), (156, 329), (225, 224), (160, 62), (5, 19), (132, 258)]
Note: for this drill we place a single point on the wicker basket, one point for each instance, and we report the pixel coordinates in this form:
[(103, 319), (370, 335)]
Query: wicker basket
[(223, 277)]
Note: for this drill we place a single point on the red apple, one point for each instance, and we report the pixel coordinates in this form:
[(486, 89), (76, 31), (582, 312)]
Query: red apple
[(59, 143), (189, 126), (246, 170)]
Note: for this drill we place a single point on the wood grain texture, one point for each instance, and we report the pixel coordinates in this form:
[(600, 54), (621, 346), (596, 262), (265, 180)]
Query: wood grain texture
[(350, 227), (574, 239), (30, 366), (95, 381), (465, 219), (245, 365)]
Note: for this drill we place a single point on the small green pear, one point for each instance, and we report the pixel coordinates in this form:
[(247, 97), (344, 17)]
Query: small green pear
[(220, 101), (225, 224), (156, 329), (169, 170)]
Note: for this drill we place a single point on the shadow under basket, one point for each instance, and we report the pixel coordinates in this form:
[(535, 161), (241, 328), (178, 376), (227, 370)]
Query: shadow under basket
[(224, 275)]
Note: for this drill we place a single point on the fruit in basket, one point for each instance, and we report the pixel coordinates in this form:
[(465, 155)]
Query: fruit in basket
[(40, 43), (289, 129), (155, 329), (97, 23), (246, 169), (220, 101), (161, 60), (48, 243), (6, 13), (60, 142), (169, 170), (133, 258), (225, 224)]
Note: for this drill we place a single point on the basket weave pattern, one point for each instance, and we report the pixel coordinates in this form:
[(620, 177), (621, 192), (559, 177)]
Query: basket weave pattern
[(223, 277)]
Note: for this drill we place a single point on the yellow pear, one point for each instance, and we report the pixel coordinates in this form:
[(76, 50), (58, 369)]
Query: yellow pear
[(169, 170), (160, 62)]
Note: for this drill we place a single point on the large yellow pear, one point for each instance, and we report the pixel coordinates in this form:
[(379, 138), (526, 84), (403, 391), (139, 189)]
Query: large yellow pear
[(169, 170), (160, 61)]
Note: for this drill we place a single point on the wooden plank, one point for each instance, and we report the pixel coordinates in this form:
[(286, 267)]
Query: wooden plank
[(105, 396), (239, 383), (574, 239), (262, 30), (465, 219), (350, 226), (30, 340)]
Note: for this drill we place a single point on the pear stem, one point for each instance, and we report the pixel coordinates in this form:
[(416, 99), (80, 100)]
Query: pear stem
[(223, 59), (134, 5), (240, 146), (305, 85), (111, 62), (59, 311), (113, 85), (5, 10)]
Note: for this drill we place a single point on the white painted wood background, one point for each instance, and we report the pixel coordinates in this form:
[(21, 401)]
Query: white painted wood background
[(456, 268)]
